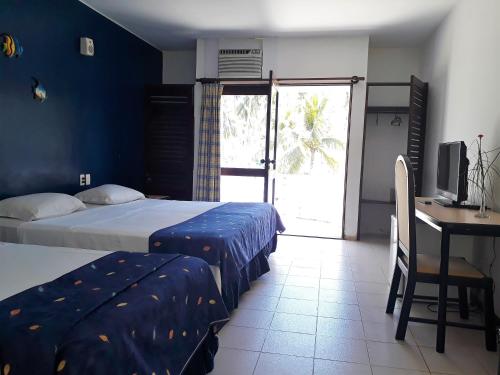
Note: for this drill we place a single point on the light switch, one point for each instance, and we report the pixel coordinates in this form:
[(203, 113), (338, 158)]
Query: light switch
[(82, 180), (87, 179)]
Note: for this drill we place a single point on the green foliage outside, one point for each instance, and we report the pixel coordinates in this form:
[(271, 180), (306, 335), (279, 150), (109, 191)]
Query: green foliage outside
[(305, 134)]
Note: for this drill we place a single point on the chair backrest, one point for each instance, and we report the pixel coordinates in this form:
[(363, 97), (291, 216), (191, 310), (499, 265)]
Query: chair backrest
[(405, 210)]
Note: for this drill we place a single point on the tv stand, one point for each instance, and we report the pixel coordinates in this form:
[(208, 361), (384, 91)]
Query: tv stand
[(449, 203)]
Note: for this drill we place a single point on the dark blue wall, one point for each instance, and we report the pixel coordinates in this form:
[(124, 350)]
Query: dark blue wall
[(92, 121)]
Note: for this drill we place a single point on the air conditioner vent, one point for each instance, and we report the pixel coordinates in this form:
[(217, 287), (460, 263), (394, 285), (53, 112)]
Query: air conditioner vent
[(240, 63)]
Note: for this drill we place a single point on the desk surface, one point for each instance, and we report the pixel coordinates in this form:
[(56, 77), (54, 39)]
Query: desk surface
[(457, 217)]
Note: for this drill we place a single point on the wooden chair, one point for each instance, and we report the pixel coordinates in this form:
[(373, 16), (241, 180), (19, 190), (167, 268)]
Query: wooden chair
[(425, 268)]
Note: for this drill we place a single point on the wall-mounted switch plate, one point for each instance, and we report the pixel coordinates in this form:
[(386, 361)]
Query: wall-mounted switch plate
[(87, 179), (86, 46), (82, 180)]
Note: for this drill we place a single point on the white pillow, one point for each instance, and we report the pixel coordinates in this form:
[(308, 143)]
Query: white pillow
[(39, 206), (109, 194)]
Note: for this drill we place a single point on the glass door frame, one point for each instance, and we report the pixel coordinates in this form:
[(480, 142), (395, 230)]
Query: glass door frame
[(254, 89), (347, 82), (267, 87)]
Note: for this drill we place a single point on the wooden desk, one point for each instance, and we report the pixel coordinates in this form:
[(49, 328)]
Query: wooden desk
[(452, 221), (458, 220)]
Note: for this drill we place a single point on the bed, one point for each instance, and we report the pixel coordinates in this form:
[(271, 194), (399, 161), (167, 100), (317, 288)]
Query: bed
[(235, 239), (127, 312)]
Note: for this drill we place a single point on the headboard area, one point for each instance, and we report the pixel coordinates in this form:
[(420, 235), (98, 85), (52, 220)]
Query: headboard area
[(92, 118)]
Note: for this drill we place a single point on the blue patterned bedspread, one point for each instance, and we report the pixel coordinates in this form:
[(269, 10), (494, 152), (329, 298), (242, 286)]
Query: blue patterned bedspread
[(124, 313), (228, 236)]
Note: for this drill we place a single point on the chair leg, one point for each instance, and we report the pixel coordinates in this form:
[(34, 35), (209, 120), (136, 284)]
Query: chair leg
[(405, 309), (463, 302), (396, 279), (489, 318)]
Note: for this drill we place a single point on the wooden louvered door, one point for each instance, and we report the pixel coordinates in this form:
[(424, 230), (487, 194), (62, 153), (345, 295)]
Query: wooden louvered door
[(169, 137), (416, 129)]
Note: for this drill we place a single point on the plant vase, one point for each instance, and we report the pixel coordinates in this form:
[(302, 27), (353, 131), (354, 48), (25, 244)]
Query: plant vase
[(482, 207), (482, 168)]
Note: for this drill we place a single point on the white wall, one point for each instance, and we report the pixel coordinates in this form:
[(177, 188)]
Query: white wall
[(316, 57), (383, 142), (309, 57), (393, 64), (179, 67), (461, 62)]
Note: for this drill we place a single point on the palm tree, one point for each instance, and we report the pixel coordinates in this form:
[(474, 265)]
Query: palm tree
[(242, 119), (310, 138)]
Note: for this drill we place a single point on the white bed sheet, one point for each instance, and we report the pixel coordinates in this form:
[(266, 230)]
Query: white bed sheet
[(125, 226), (25, 266)]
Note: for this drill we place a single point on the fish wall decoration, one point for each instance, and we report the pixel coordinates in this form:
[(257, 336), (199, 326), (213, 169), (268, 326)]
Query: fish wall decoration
[(39, 92), (11, 47)]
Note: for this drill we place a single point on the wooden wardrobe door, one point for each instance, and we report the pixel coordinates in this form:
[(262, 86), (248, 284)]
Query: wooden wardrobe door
[(169, 137), (416, 129)]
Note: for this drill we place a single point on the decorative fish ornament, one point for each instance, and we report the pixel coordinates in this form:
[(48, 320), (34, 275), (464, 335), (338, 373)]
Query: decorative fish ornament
[(11, 47), (39, 92), (8, 45)]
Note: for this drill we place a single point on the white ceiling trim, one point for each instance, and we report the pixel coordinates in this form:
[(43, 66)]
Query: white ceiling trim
[(119, 24)]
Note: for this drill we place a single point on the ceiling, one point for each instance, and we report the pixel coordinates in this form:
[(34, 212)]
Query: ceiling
[(176, 24)]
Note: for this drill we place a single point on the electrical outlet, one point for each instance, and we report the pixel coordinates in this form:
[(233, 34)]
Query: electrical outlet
[(82, 180), (87, 179)]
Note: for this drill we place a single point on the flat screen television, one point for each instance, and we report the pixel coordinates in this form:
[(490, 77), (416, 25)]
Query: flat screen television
[(452, 171)]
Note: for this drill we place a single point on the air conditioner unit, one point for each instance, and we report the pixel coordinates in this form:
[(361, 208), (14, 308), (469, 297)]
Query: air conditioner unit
[(240, 63)]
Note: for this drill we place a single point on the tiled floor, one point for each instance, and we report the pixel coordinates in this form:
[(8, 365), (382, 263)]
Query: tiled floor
[(321, 310)]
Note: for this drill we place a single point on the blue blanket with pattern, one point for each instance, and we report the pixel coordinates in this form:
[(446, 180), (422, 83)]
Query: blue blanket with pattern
[(124, 313), (228, 236)]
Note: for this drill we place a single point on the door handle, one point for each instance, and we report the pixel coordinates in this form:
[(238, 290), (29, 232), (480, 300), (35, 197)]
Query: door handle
[(262, 161)]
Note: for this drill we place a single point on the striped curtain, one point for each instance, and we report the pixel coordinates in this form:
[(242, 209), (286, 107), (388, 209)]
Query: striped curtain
[(208, 175)]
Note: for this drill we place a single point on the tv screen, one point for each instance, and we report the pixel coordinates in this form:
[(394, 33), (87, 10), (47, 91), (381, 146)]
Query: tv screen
[(452, 171), (449, 167)]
